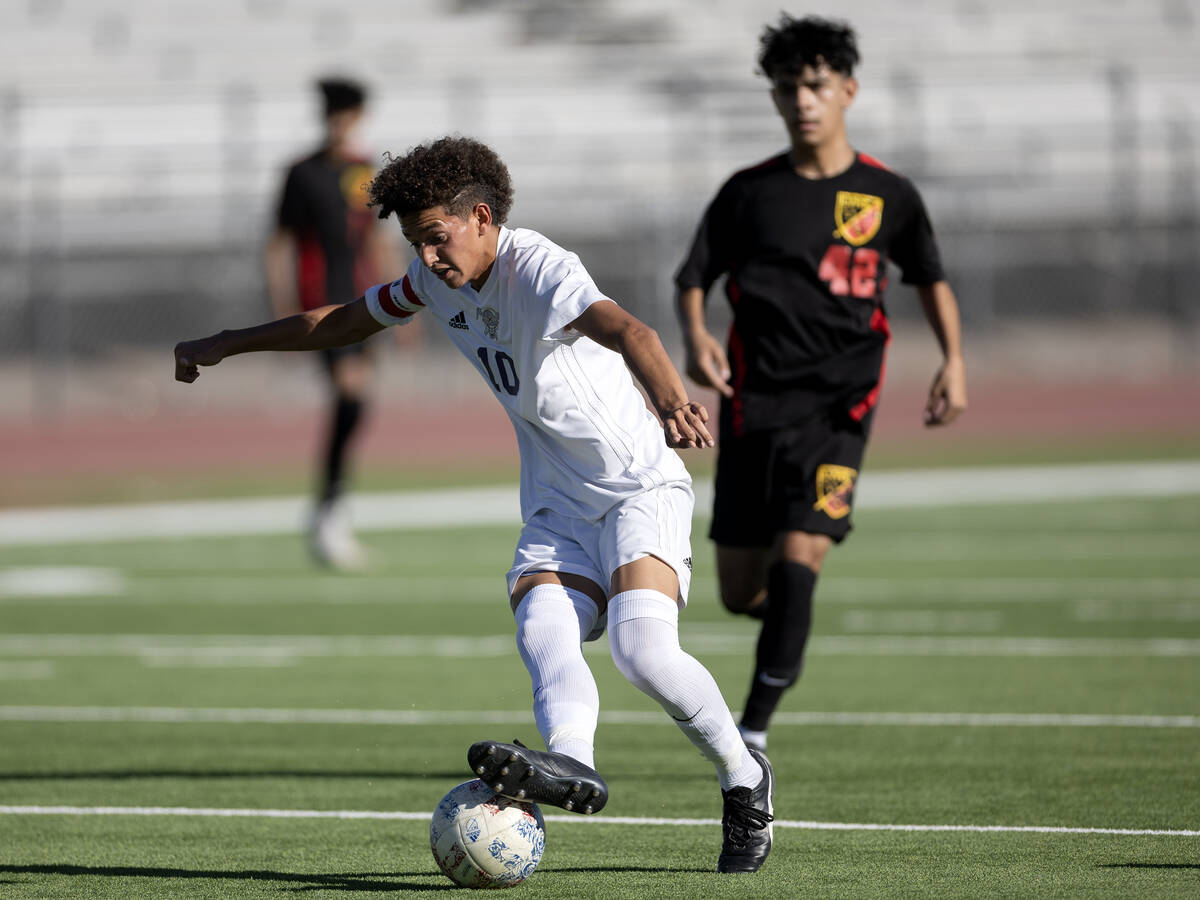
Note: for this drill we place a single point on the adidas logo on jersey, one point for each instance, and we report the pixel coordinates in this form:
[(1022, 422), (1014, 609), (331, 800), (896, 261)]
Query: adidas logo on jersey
[(460, 321)]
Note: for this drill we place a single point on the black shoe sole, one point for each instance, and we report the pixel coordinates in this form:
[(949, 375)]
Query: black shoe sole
[(523, 774)]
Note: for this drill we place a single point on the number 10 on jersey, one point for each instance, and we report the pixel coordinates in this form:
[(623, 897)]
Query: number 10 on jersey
[(504, 366), (850, 271)]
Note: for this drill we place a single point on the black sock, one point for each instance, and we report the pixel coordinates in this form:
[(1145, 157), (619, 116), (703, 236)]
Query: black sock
[(780, 652), (346, 415)]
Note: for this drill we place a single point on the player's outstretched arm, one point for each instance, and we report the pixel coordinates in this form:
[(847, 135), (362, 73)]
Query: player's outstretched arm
[(327, 326), (948, 393), (612, 327), (707, 364)]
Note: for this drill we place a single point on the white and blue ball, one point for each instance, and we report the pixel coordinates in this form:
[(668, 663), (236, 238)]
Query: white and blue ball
[(482, 840)]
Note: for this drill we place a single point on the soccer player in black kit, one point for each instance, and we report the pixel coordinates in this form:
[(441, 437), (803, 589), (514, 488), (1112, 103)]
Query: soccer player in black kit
[(804, 239), (327, 246)]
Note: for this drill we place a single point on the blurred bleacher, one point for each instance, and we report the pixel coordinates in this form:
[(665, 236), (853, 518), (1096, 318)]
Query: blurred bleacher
[(141, 143)]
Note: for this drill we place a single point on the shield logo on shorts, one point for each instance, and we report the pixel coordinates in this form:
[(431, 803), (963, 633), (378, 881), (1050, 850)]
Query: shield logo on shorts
[(835, 490), (857, 216)]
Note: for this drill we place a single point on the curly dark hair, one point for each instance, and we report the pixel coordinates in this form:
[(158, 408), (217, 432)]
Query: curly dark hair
[(796, 43), (451, 172)]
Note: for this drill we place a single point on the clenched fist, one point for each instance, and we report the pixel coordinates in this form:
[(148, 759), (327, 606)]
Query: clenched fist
[(190, 355)]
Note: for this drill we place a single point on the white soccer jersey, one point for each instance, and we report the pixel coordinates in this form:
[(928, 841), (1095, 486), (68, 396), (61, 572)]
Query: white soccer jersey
[(585, 436)]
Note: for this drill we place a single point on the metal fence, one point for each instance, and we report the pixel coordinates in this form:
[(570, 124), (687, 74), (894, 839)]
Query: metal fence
[(1062, 185)]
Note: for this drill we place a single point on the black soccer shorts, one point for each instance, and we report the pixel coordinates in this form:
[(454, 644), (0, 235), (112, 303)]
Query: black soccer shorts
[(799, 478)]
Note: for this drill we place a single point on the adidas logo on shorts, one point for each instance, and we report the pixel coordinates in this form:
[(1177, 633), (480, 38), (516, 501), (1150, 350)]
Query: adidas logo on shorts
[(459, 322), (688, 562)]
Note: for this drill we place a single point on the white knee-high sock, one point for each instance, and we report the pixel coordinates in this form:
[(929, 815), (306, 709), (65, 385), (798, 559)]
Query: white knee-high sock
[(552, 621), (643, 633)]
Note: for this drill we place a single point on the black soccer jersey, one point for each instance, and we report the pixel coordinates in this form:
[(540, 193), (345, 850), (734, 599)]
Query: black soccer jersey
[(325, 204), (806, 261)]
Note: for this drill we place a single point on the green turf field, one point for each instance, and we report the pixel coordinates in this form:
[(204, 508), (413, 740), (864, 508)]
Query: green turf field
[(1023, 666)]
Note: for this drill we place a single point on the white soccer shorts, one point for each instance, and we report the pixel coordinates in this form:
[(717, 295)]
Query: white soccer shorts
[(657, 522)]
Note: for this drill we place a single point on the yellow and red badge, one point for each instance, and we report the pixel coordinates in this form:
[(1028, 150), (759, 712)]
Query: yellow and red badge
[(857, 216), (835, 488), (354, 181)]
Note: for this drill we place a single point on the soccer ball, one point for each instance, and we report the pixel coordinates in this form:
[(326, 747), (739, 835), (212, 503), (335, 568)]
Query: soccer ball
[(482, 840)]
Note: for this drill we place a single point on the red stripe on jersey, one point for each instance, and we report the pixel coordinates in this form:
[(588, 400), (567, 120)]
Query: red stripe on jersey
[(872, 161), (737, 363), (388, 305), (879, 323), (733, 292), (310, 272), (775, 162), (409, 294)]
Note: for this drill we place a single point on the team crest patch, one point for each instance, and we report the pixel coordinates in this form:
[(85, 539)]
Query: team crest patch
[(491, 320), (858, 217), (835, 488)]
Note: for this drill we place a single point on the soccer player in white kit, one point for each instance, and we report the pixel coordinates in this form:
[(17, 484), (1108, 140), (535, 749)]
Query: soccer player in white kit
[(605, 500)]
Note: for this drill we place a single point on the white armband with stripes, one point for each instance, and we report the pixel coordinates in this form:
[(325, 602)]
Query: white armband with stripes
[(393, 303)]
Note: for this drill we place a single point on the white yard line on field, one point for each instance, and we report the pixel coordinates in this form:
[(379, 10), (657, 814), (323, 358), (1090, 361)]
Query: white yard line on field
[(711, 640), (161, 649), (963, 544), (265, 515), (62, 581), (591, 820), (499, 505), (172, 715), (922, 621), (1010, 589), (61, 586), (26, 671)]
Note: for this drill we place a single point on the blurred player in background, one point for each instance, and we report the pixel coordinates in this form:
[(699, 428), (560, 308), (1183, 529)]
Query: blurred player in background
[(606, 502), (805, 239), (327, 246)]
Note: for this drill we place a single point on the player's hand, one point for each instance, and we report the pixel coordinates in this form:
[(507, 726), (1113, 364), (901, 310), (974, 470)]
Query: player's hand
[(190, 355), (947, 394), (707, 364), (685, 428)]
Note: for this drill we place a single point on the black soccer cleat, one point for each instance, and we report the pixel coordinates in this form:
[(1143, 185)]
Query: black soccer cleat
[(746, 822), (515, 771)]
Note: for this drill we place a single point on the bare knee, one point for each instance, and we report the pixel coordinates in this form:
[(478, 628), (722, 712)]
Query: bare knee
[(530, 580), (742, 571), (805, 548), (738, 599), (351, 376), (742, 576)]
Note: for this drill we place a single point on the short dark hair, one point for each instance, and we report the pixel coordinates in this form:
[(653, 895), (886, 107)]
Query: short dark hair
[(451, 172), (341, 94), (796, 43)]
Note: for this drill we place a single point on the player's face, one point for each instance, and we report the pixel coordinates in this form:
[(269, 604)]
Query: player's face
[(454, 249), (342, 126), (813, 103)]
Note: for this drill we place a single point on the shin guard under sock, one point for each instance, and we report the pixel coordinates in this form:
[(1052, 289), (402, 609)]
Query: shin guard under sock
[(779, 655), (552, 621), (347, 413)]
